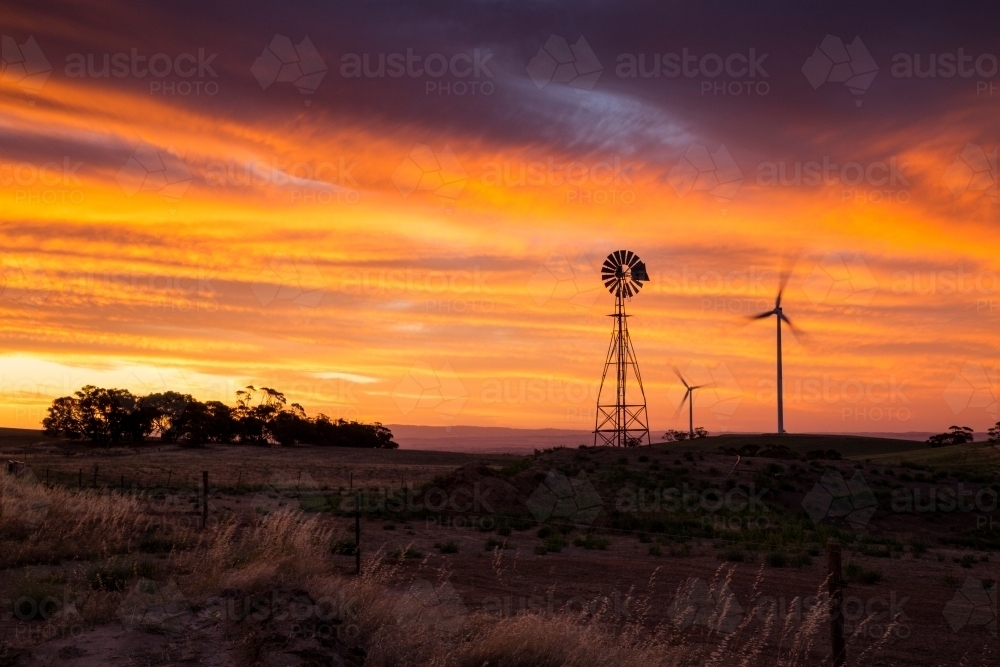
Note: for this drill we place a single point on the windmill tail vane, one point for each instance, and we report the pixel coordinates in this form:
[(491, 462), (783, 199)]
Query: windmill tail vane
[(622, 421)]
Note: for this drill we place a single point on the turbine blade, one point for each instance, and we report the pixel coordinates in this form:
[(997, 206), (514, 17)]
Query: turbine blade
[(680, 377), (761, 316), (681, 406), (788, 263)]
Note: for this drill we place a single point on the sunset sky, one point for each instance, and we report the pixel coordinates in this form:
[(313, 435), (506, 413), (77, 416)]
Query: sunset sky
[(400, 216)]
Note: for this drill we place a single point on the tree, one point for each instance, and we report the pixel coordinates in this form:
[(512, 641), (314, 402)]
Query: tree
[(994, 434), (207, 422), (673, 435), (260, 418), (167, 410), (956, 435), (254, 412), (101, 415), (341, 433), (700, 432)]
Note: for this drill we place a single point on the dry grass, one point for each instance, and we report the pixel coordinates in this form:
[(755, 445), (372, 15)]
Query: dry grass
[(424, 624), (46, 525)]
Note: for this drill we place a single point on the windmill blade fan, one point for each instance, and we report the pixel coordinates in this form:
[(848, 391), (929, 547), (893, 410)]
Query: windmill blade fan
[(623, 273), (639, 271)]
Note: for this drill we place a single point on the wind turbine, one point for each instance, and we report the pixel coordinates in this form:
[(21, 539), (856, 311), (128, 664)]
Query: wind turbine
[(689, 397), (780, 317)]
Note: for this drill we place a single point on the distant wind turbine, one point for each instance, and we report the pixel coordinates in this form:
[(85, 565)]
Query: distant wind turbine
[(689, 397), (780, 317)]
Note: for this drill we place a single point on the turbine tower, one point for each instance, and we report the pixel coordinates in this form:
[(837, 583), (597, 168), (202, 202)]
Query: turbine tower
[(780, 317), (621, 423), (688, 396)]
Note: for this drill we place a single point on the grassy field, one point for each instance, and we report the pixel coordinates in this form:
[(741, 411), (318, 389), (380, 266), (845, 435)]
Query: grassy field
[(585, 557)]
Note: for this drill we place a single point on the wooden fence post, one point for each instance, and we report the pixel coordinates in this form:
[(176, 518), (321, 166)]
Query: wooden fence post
[(204, 499), (839, 648), (357, 534)]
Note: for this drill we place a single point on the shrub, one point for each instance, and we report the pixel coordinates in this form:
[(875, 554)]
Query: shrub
[(776, 559), (449, 547), (492, 544), (344, 546), (857, 573), (591, 541), (734, 554), (966, 561), (409, 552)]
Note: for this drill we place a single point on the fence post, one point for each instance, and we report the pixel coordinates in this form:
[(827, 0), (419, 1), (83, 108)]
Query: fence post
[(204, 499), (357, 534), (836, 588)]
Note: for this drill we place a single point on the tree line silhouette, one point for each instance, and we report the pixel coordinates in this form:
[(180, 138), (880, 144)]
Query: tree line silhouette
[(260, 417)]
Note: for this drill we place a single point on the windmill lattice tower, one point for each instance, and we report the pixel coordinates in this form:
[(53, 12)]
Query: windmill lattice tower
[(621, 423)]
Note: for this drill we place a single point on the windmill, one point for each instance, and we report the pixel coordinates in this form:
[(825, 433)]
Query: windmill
[(689, 397), (780, 317), (621, 423)]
